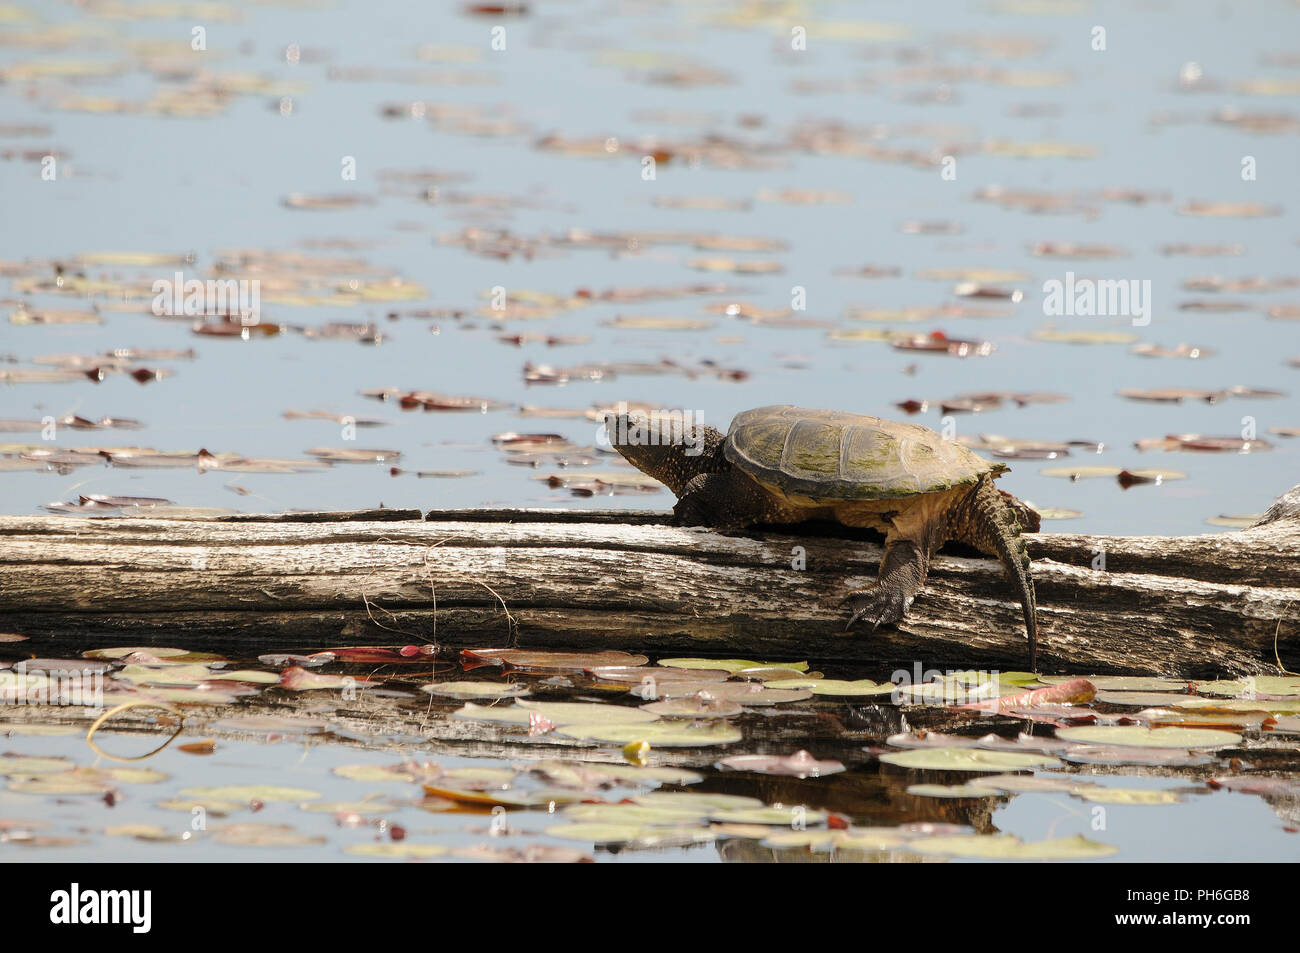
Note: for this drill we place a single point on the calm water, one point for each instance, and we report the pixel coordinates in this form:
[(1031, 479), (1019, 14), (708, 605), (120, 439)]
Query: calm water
[(957, 83), (737, 118), (319, 739)]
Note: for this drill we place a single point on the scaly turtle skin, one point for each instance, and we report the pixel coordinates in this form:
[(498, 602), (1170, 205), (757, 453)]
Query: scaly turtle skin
[(779, 465)]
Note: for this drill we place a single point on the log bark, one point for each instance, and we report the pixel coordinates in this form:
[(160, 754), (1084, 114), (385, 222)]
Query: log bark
[(1197, 606)]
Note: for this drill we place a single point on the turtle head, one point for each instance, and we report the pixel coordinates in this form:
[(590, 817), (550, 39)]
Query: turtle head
[(671, 447)]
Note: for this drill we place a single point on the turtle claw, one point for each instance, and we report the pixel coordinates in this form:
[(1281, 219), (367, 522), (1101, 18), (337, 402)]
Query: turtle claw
[(879, 604)]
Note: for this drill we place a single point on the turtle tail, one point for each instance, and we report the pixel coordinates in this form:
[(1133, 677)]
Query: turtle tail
[(992, 525)]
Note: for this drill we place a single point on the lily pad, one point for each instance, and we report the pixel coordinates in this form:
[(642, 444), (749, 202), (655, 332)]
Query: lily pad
[(1122, 755), (823, 840), (396, 850), (778, 816), (801, 764), (1105, 795), (732, 665), (837, 687), (967, 759), (661, 735), (1009, 847), (266, 793), (1029, 783), (701, 705), (1125, 683), (347, 807), (561, 713), (1138, 736), (632, 836), (951, 790), (16, 765), (248, 834), (468, 689), (1140, 699)]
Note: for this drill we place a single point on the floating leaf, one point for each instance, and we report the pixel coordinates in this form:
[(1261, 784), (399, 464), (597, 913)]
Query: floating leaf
[(529, 660), (1104, 795), (966, 759), (660, 735), (850, 840), (266, 793), (396, 850), (264, 835), (631, 836), (836, 687), (560, 713), (699, 705), (1008, 847), (801, 764), (1137, 736), (731, 665), (1028, 784), (1130, 755), (470, 689), (1126, 683), (950, 790)]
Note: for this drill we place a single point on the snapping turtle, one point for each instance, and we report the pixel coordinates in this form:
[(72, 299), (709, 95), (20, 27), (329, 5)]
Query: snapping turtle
[(785, 464)]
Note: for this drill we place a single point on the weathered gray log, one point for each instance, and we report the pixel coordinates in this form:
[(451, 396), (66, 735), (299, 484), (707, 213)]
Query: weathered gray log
[(1203, 605)]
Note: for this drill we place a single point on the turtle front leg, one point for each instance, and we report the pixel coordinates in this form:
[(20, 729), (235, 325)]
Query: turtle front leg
[(902, 574), (724, 501)]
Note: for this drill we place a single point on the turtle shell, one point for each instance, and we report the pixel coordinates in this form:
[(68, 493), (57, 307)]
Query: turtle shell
[(819, 456)]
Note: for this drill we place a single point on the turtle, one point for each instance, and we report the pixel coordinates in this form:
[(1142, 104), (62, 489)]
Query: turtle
[(784, 465)]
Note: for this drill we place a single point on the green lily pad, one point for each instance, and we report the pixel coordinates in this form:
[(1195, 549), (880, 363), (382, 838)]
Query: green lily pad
[(396, 850), (560, 713), (1029, 783), (347, 807), (732, 665), (635, 815), (694, 707), (215, 808), (1125, 683), (37, 730), (836, 686), (1104, 795), (1261, 684), (62, 784), (1279, 706), (1141, 699), (468, 689), (136, 775), (374, 772), (706, 801), (244, 675), (165, 674), (778, 816), (630, 835), (267, 793), (1137, 736), (834, 840), (154, 833), (16, 765), (479, 777), (249, 834), (951, 790), (581, 774), (967, 759), (190, 696), (167, 655), (1009, 847), (773, 673), (662, 734)]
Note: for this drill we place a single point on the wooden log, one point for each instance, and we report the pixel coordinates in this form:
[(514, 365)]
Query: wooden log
[(1196, 606)]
